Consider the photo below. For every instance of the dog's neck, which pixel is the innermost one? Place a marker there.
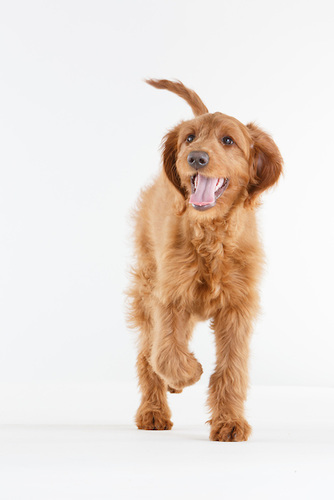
(211, 236)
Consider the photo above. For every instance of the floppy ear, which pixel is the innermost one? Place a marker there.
(169, 156)
(267, 163)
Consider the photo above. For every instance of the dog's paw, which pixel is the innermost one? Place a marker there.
(178, 368)
(153, 420)
(190, 373)
(232, 430)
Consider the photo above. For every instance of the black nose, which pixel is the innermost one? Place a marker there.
(198, 159)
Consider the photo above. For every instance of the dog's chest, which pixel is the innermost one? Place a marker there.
(202, 270)
(204, 282)
(218, 282)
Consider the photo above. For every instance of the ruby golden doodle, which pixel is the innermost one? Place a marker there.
(199, 258)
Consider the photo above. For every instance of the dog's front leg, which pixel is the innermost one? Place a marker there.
(170, 357)
(228, 384)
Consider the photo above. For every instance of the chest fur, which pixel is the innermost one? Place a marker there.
(202, 275)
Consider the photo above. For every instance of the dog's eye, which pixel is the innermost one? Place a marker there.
(190, 138)
(227, 140)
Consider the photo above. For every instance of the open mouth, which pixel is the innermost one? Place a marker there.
(205, 191)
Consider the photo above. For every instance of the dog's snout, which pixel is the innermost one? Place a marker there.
(198, 159)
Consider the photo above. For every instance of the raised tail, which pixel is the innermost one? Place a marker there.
(188, 95)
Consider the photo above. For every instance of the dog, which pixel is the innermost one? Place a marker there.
(198, 257)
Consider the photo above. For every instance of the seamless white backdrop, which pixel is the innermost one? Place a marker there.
(80, 133)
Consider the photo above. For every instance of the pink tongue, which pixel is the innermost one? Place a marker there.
(205, 192)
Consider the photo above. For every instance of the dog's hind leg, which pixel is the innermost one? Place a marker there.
(153, 412)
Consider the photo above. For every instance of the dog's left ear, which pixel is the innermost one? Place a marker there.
(267, 163)
(169, 156)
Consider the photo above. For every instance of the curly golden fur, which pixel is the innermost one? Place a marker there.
(198, 258)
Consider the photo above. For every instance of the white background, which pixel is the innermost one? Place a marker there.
(80, 134)
(79, 138)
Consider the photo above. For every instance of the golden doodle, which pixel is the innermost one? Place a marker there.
(198, 257)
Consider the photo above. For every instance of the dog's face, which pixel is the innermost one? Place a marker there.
(215, 161)
(213, 154)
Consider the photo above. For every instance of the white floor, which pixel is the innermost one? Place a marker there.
(289, 456)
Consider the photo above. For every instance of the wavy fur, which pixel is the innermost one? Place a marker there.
(193, 266)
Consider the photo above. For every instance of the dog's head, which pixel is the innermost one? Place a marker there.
(214, 161)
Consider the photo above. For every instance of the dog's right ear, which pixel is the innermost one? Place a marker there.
(169, 156)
